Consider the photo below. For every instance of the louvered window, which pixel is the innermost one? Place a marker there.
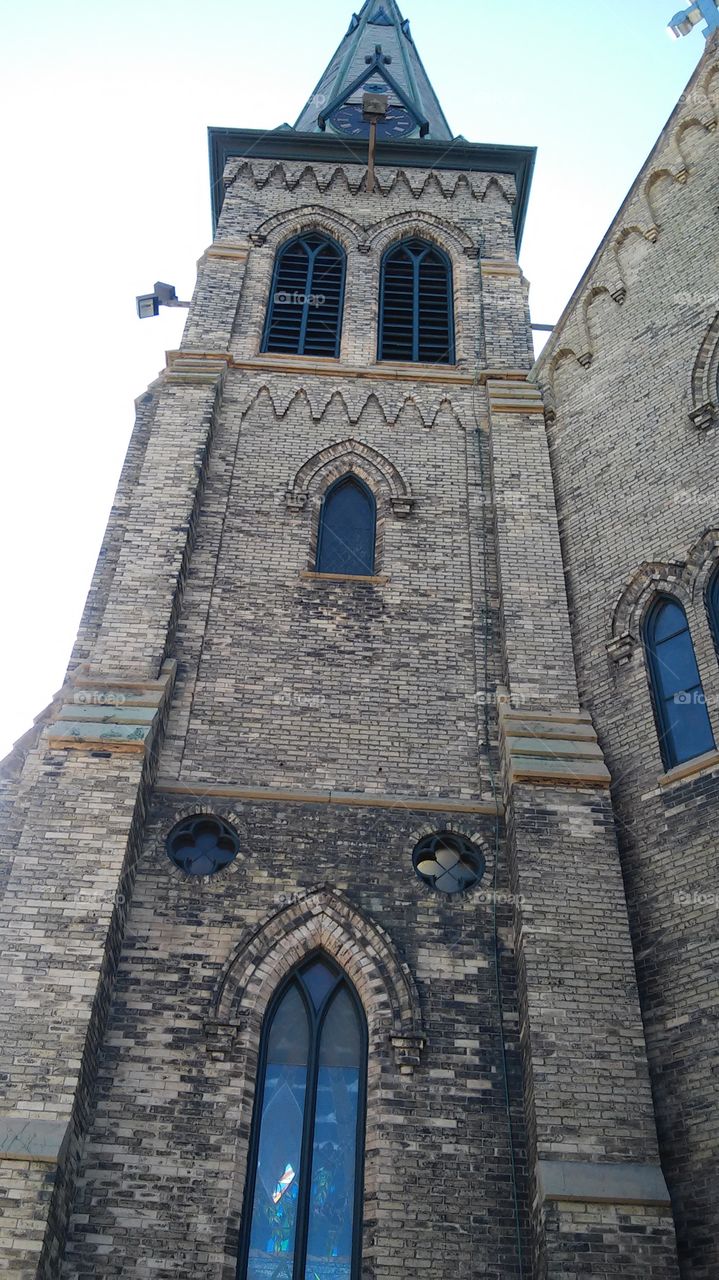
(304, 314)
(416, 304)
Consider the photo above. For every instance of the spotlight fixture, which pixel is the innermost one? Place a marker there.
(683, 23)
(164, 295)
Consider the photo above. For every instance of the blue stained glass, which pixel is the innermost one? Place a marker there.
(670, 619)
(329, 1242)
(679, 705)
(319, 979)
(689, 726)
(311, 1100)
(274, 1213)
(347, 529)
(713, 607)
(677, 663)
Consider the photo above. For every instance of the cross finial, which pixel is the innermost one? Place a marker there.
(379, 56)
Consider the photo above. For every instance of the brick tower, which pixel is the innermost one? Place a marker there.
(317, 961)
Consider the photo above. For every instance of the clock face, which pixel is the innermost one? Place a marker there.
(348, 119)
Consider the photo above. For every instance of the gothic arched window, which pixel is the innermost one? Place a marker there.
(346, 534)
(713, 607)
(415, 311)
(679, 703)
(305, 309)
(302, 1213)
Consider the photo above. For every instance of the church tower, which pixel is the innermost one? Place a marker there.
(316, 955)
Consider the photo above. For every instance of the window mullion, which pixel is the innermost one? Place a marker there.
(415, 308)
(308, 1133)
(311, 254)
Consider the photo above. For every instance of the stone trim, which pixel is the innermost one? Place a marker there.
(36, 1140)
(514, 396)
(110, 715)
(352, 799)
(226, 249)
(683, 579)
(373, 580)
(700, 764)
(599, 1183)
(498, 267)
(196, 368)
(551, 748)
(705, 378)
(329, 366)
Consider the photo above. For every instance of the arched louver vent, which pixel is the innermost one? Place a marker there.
(416, 305)
(303, 317)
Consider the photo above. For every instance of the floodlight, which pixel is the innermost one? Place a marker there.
(165, 295)
(683, 23)
(148, 305)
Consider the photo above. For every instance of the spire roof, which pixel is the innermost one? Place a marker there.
(379, 22)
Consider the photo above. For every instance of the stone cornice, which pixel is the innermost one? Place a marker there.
(351, 799)
(207, 362)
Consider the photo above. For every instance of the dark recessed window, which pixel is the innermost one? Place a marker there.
(678, 697)
(202, 845)
(416, 321)
(303, 1198)
(713, 608)
(305, 307)
(346, 534)
(448, 862)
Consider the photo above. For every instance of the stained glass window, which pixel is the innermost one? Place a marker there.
(202, 845)
(677, 694)
(448, 862)
(346, 535)
(302, 1207)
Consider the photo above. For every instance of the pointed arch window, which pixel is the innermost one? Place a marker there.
(416, 313)
(304, 316)
(302, 1215)
(679, 704)
(346, 534)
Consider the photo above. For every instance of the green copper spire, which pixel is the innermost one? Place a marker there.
(377, 55)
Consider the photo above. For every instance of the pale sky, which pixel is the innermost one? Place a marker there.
(104, 111)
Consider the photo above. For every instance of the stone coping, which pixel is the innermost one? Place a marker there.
(602, 1183)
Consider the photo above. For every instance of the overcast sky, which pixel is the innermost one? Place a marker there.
(104, 155)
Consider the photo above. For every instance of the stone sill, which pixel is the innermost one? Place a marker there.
(706, 762)
(375, 580)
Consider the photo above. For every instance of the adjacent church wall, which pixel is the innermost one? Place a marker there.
(630, 387)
